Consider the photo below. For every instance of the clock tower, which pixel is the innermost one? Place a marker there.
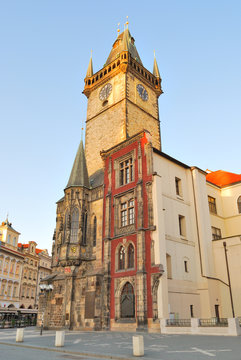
(122, 100)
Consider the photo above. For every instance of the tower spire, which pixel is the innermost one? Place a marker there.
(90, 67)
(156, 72)
(79, 174)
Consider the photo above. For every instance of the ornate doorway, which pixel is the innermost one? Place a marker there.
(127, 301)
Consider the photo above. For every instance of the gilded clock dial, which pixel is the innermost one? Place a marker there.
(105, 91)
(142, 92)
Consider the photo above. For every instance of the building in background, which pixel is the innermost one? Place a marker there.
(22, 266)
(44, 268)
(37, 264)
(11, 266)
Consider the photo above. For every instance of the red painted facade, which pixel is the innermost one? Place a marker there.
(112, 189)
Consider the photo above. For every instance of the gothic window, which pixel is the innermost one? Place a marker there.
(130, 255)
(66, 224)
(74, 226)
(84, 228)
(127, 213)
(127, 301)
(121, 258)
(126, 171)
(239, 204)
(94, 231)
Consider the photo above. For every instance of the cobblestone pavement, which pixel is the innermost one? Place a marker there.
(107, 345)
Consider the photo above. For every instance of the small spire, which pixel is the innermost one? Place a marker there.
(79, 174)
(90, 67)
(156, 72)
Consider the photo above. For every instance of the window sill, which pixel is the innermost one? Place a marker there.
(124, 270)
(179, 197)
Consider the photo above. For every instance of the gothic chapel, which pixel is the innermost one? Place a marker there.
(118, 221)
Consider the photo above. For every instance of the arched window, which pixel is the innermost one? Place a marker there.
(84, 228)
(74, 226)
(130, 254)
(239, 204)
(66, 224)
(127, 301)
(94, 231)
(121, 258)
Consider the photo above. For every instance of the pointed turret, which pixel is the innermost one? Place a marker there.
(155, 72)
(79, 174)
(90, 67)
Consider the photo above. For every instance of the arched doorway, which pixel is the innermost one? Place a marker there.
(127, 301)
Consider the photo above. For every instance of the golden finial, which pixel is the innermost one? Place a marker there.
(82, 129)
(118, 29)
(127, 22)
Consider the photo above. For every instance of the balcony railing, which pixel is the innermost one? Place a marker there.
(179, 322)
(214, 322)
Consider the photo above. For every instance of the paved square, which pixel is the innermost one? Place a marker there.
(106, 345)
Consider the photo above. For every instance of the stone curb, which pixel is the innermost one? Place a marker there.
(94, 355)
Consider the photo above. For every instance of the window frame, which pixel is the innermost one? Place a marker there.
(74, 228)
(129, 213)
(178, 187)
(239, 204)
(216, 233)
(117, 167)
(182, 225)
(212, 204)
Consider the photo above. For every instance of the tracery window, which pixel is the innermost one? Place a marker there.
(121, 258)
(74, 226)
(66, 224)
(130, 254)
(127, 301)
(94, 231)
(84, 228)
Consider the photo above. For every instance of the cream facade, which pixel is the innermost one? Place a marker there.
(225, 219)
(44, 268)
(11, 265)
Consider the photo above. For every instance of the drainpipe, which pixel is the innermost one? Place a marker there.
(229, 282)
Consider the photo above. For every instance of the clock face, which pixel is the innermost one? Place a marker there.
(142, 92)
(105, 91)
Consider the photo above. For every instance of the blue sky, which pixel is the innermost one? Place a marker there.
(45, 49)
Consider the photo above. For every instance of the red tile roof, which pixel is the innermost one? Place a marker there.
(222, 178)
(25, 246)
